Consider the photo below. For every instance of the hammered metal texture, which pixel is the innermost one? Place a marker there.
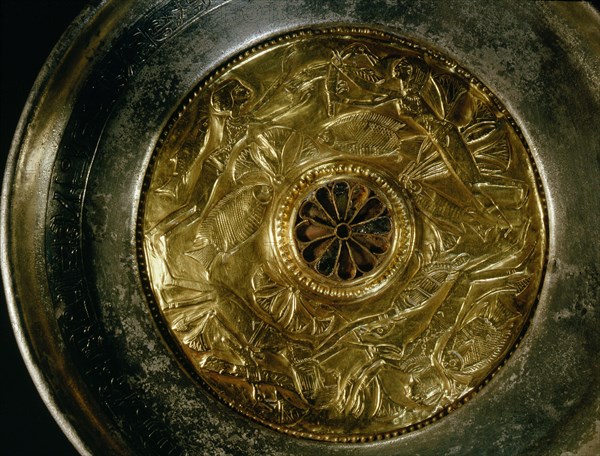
(118, 377)
(344, 234)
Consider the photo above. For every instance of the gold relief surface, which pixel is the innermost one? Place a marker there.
(343, 234)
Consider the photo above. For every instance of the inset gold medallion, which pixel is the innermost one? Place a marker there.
(343, 231)
(343, 234)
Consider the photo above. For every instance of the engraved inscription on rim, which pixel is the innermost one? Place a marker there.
(344, 234)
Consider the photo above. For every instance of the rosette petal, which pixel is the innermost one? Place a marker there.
(380, 225)
(376, 244)
(308, 230)
(328, 260)
(341, 197)
(358, 197)
(325, 199)
(365, 260)
(372, 208)
(346, 269)
(315, 250)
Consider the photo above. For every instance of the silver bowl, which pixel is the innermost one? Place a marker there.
(73, 183)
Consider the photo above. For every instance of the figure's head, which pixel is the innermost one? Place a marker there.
(411, 71)
(230, 96)
(357, 54)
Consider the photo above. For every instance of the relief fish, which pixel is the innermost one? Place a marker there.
(476, 347)
(364, 133)
(234, 219)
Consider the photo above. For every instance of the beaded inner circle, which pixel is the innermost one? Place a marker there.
(344, 231)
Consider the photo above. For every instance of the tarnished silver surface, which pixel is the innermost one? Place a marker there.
(72, 189)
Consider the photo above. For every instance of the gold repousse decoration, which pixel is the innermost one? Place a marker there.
(343, 234)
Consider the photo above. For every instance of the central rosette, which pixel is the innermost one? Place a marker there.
(343, 230)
